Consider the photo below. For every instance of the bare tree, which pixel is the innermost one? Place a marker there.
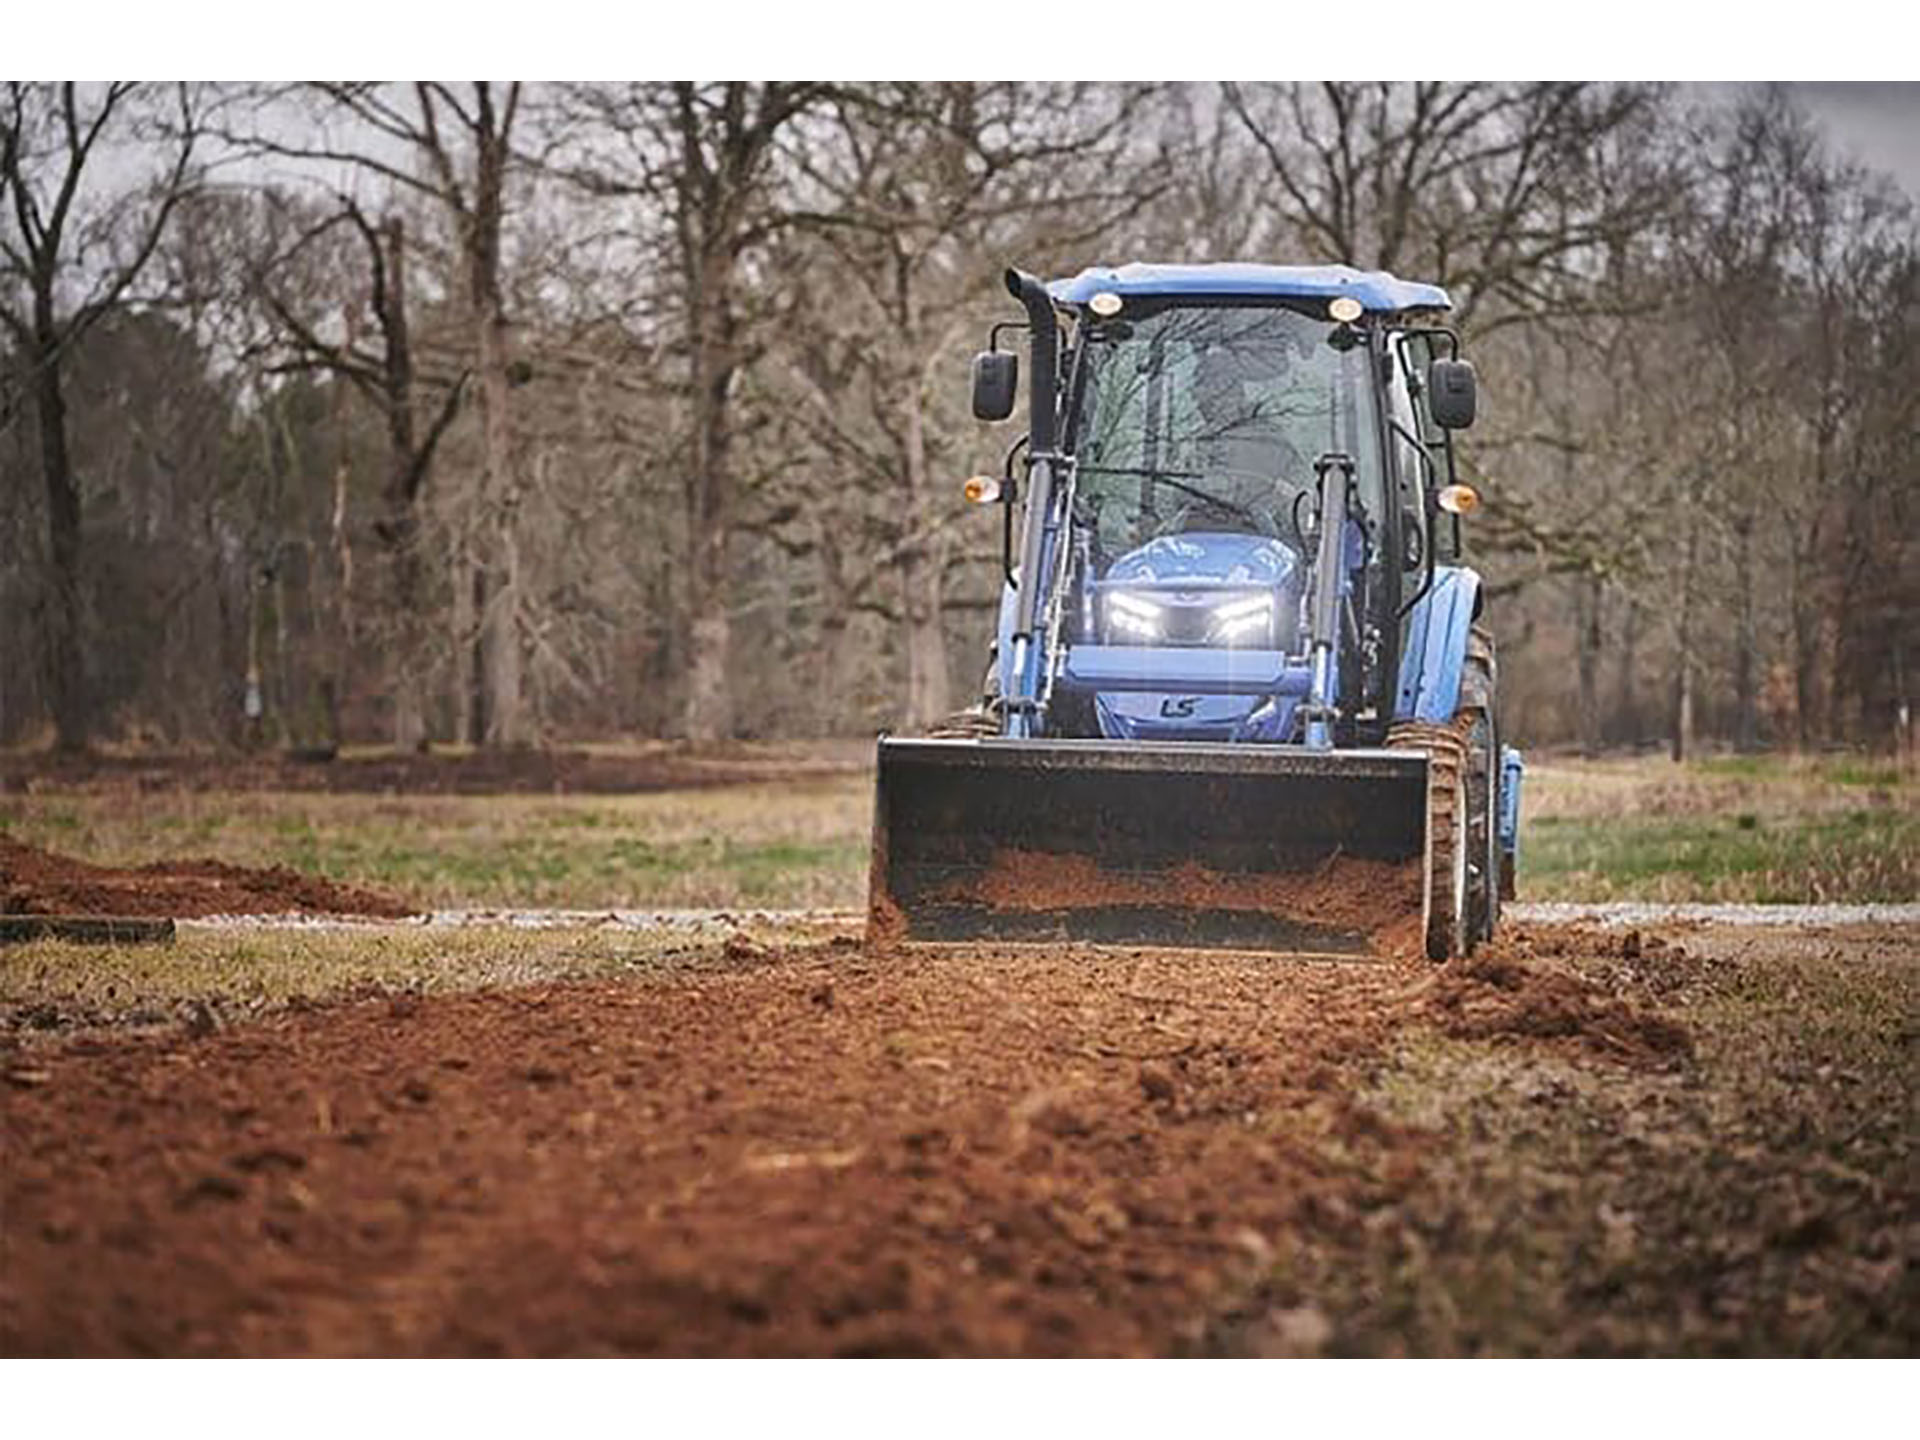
(386, 374)
(73, 248)
(914, 188)
(453, 148)
(700, 156)
(1506, 193)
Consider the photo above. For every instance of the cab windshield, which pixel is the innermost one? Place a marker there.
(1210, 418)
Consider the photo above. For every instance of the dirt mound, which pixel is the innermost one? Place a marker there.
(1513, 988)
(38, 882)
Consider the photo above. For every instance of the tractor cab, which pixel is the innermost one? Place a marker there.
(1207, 421)
(1194, 432)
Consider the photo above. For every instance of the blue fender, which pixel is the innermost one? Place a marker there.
(1436, 647)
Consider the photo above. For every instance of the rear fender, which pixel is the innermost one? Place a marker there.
(1436, 647)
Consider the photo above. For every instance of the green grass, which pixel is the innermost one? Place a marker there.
(1752, 828)
(1830, 769)
(1856, 855)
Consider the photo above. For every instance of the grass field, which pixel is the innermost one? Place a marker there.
(1765, 829)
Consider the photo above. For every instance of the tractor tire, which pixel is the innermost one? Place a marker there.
(980, 720)
(973, 723)
(1480, 725)
(1449, 934)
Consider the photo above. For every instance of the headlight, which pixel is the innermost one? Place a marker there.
(1135, 614)
(1239, 619)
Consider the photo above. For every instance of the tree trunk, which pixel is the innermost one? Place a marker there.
(1682, 746)
(474, 691)
(498, 618)
(922, 576)
(840, 686)
(1589, 592)
(408, 659)
(1746, 659)
(1807, 709)
(709, 714)
(64, 656)
(401, 530)
(1626, 702)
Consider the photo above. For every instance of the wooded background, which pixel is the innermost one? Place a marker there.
(417, 414)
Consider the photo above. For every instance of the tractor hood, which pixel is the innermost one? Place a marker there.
(1208, 560)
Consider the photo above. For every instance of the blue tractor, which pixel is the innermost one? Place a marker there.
(1240, 695)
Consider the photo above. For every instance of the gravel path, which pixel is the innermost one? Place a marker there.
(1616, 913)
(1641, 913)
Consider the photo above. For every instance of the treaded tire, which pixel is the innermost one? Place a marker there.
(1448, 824)
(980, 720)
(1481, 725)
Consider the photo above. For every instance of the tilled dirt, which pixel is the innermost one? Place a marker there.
(824, 1150)
(1367, 897)
(39, 882)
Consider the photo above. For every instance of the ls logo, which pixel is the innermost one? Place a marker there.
(1179, 707)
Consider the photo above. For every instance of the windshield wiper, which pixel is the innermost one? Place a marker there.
(1139, 470)
(1172, 478)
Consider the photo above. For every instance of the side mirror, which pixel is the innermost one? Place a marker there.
(996, 376)
(1450, 394)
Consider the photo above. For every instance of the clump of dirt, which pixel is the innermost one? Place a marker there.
(1510, 988)
(39, 882)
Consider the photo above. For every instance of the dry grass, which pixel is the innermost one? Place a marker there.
(793, 844)
(227, 974)
(1758, 1201)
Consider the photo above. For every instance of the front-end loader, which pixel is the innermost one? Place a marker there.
(1240, 694)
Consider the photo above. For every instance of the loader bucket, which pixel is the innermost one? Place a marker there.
(1211, 846)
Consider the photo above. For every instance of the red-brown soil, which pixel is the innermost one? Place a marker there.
(836, 1150)
(1504, 991)
(487, 772)
(1369, 897)
(38, 882)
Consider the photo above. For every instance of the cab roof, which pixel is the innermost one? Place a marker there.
(1374, 289)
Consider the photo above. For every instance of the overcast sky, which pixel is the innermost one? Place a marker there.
(1878, 121)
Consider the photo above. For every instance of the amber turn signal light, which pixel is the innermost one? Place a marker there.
(981, 490)
(1458, 499)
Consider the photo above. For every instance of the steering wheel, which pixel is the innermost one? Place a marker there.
(1277, 523)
